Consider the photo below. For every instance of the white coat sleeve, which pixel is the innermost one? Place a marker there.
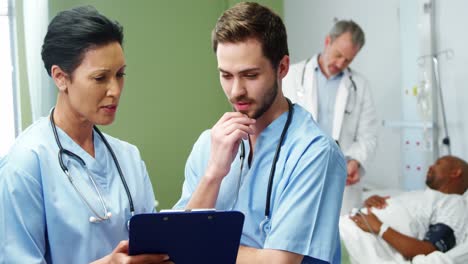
(364, 145)
(292, 82)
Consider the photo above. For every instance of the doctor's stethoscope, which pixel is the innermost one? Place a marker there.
(263, 224)
(107, 214)
(348, 111)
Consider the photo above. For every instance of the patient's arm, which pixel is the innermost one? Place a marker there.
(253, 255)
(408, 247)
(376, 201)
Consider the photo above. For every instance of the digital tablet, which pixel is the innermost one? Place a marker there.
(188, 237)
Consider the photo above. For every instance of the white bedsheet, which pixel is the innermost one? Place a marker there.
(435, 257)
(366, 248)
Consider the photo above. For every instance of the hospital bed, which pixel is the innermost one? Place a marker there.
(368, 242)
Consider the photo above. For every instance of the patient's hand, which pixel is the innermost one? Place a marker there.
(367, 222)
(376, 201)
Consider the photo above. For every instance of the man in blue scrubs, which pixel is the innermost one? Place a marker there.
(300, 222)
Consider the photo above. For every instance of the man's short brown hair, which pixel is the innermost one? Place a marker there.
(251, 20)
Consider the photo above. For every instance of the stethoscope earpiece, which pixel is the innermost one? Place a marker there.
(93, 219)
(265, 225)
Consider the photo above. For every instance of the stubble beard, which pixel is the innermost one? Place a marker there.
(267, 102)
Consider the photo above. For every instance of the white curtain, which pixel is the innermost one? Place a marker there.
(41, 89)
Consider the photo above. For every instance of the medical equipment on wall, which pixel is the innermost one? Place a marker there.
(423, 94)
(273, 166)
(62, 151)
(425, 89)
(351, 99)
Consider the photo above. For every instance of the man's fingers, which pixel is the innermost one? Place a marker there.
(150, 258)
(234, 117)
(122, 247)
(233, 140)
(382, 201)
(230, 128)
(230, 123)
(227, 116)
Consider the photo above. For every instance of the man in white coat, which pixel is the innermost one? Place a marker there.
(340, 101)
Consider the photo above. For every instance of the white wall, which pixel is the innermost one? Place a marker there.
(451, 29)
(307, 24)
(417, 134)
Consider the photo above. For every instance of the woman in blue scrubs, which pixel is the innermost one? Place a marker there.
(67, 191)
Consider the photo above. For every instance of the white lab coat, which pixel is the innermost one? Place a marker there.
(354, 122)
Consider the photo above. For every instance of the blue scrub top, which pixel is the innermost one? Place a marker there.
(306, 195)
(44, 218)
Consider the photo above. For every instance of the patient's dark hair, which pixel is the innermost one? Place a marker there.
(73, 32)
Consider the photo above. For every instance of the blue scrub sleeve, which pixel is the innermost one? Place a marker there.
(189, 185)
(22, 230)
(150, 206)
(306, 218)
(194, 165)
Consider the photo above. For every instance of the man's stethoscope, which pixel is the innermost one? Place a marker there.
(352, 98)
(273, 165)
(107, 214)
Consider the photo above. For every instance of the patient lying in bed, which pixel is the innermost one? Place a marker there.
(419, 222)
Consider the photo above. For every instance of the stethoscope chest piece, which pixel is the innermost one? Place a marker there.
(265, 225)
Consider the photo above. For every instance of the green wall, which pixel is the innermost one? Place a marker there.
(25, 103)
(172, 91)
(275, 5)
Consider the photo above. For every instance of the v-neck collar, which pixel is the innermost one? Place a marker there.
(270, 135)
(96, 164)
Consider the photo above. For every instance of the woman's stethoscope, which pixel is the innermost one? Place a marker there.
(348, 111)
(107, 214)
(273, 165)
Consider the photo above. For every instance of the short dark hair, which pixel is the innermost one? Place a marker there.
(252, 20)
(73, 32)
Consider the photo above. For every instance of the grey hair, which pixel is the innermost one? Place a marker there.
(343, 26)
